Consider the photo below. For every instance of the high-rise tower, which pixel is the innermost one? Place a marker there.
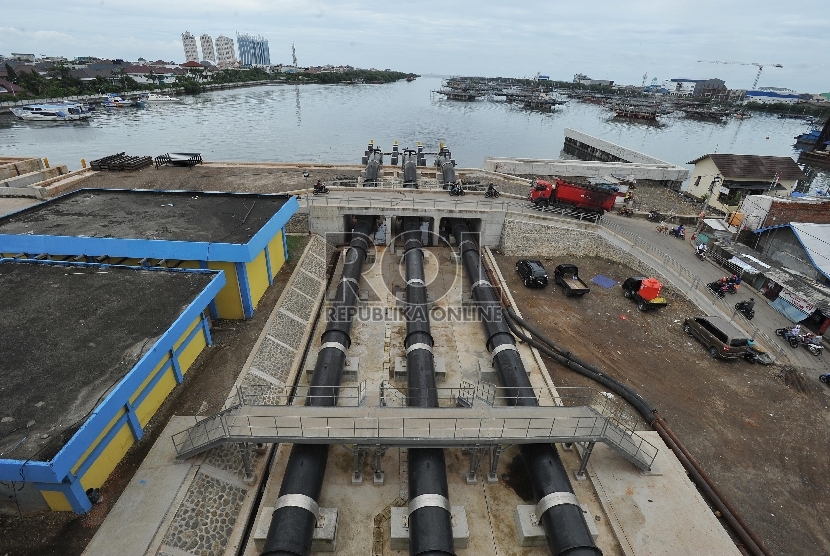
(207, 48)
(225, 54)
(191, 51)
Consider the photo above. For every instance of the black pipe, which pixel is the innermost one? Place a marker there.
(741, 528)
(446, 164)
(565, 527)
(373, 164)
(292, 526)
(409, 163)
(430, 527)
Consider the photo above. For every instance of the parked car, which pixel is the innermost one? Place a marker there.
(533, 273)
(718, 335)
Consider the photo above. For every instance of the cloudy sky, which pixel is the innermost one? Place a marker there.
(606, 39)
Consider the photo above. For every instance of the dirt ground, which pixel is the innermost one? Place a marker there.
(203, 392)
(760, 432)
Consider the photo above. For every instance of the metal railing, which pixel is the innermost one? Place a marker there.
(693, 282)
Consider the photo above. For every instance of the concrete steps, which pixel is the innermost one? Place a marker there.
(31, 178)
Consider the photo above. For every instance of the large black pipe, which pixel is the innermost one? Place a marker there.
(373, 164)
(293, 521)
(430, 526)
(409, 163)
(446, 164)
(565, 528)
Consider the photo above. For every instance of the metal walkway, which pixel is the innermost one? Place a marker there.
(380, 425)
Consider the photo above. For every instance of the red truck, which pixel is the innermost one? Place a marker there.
(595, 198)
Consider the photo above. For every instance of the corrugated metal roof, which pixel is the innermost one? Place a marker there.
(815, 238)
(809, 290)
(750, 166)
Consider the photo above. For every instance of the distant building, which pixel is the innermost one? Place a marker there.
(742, 175)
(703, 88)
(583, 79)
(768, 97)
(207, 48)
(225, 54)
(23, 57)
(253, 51)
(191, 51)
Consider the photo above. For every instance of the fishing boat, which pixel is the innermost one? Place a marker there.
(808, 138)
(63, 112)
(153, 97)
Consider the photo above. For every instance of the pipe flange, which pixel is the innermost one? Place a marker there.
(497, 350)
(429, 500)
(415, 281)
(555, 499)
(419, 345)
(298, 501)
(336, 345)
(481, 283)
(461, 245)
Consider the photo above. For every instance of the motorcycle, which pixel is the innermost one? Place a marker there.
(825, 378)
(809, 341)
(746, 308)
(456, 190)
(718, 288)
(625, 211)
(492, 192)
(700, 254)
(663, 228)
(322, 190)
(679, 233)
(654, 216)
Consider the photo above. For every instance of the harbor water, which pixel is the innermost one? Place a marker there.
(333, 124)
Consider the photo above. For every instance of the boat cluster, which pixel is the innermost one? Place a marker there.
(73, 111)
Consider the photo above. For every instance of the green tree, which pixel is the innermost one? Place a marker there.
(12, 76)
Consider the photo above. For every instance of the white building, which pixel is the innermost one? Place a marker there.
(225, 54)
(191, 51)
(680, 87)
(768, 97)
(207, 48)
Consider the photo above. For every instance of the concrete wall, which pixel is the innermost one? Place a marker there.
(15, 169)
(615, 150)
(783, 211)
(662, 172)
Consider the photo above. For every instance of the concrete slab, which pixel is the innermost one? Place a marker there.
(9, 205)
(139, 513)
(656, 514)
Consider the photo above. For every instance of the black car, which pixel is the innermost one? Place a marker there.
(533, 273)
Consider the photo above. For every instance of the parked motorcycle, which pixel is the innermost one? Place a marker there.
(491, 192)
(654, 216)
(320, 189)
(825, 378)
(746, 308)
(810, 341)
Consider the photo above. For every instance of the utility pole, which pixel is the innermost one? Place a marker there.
(716, 179)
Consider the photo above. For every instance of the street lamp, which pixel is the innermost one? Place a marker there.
(716, 179)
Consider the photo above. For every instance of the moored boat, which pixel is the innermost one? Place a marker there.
(52, 112)
(153, 97)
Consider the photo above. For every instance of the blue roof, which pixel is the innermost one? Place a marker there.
(772, 94)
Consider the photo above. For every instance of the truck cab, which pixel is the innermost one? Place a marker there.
(540, 192)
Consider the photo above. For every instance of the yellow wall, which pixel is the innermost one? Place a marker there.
(276, 253)
(108, 458)
(157, 395)
(257, 277)
(189, 354)
(228, 300)
(56, 500)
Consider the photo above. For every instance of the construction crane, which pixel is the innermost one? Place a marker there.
(757, 75)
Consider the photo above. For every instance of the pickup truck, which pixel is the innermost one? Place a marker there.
(567, 277)
(645, 291)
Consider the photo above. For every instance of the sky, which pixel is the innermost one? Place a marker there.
(606, 39)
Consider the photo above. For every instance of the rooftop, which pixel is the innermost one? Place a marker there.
(71, 333)
(747, 166)
(151, 215)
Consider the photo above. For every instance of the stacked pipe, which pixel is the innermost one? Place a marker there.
(751, 541)
(557, 507)
(296, 509)
(446, 164)
(409, 162)
(430, 527)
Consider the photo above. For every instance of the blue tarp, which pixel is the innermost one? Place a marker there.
(603, 281)
(795, 315)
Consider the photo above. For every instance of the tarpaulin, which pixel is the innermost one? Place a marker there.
(793, 314)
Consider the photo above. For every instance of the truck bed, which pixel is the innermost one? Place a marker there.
(573, 286)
